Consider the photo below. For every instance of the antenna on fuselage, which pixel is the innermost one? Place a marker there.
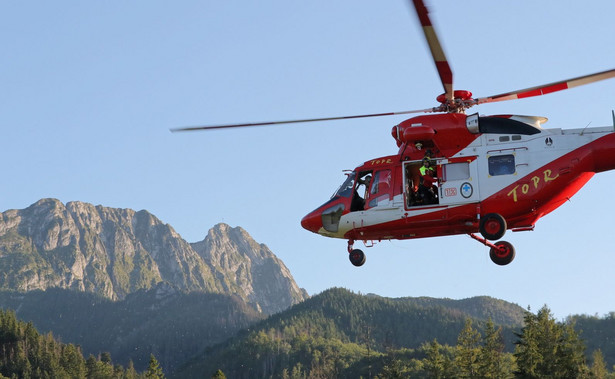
(583, 131)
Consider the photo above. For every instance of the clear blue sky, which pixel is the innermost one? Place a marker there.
(89, 90)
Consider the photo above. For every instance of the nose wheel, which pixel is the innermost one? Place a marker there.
(501, 252)
(356, 256)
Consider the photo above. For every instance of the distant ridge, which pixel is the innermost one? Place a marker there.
(478, 307)
(115, 252)
(342, 324)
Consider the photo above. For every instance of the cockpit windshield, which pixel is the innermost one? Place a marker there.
(345, 189)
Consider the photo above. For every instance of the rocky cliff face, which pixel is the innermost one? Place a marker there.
(115, 252)
(249, 269)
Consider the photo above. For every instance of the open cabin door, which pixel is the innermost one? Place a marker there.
(458, 182)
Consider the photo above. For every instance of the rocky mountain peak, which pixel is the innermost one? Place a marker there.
(249, 269)
(114, 252)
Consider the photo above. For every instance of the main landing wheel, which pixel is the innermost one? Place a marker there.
(502, 254)
(357, 257)
(492, 226)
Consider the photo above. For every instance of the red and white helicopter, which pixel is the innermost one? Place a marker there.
(461, 174)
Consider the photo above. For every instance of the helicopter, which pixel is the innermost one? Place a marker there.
(457, 173)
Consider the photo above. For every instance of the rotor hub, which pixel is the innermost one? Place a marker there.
(457, 95)
(461, 100)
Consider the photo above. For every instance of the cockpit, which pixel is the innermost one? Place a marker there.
(357, 192)
(363, 189)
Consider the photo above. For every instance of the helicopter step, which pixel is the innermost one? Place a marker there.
(501, 252)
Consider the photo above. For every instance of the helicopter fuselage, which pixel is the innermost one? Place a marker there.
(504, 165)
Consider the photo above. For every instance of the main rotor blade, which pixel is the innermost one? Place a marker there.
(548, 88)
(210, 127)
(439, 58)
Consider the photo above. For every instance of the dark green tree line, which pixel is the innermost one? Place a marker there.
(25, 353)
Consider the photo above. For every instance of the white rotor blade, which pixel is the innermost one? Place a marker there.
(225, 126)
(548, 88)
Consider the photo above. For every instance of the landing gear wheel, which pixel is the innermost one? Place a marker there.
(502, 254)
(492, 226)
(357, 257)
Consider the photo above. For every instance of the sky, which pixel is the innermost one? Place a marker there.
(89, 91)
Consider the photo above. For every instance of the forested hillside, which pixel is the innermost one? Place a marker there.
(479, 307)
(25, 353)
(345, 327)
(598, 333)
(342, 334)
(334, 334)
(165, 322)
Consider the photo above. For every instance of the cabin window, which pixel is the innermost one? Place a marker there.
(501, 165)
(380, 187)
(516, 138)
(381, 182)
(504, 138)
(456, 171)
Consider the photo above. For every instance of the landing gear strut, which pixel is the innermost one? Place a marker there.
(357, 257)
(501, 252)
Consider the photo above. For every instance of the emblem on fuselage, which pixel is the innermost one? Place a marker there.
(466, 190)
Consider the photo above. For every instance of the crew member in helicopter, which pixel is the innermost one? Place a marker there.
(426, 186)
(358, 202)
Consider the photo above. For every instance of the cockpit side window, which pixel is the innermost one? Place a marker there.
(361, 191)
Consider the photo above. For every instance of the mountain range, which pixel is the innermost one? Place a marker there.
(115, 252)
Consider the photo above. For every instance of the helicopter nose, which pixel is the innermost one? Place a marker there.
(312, 222)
